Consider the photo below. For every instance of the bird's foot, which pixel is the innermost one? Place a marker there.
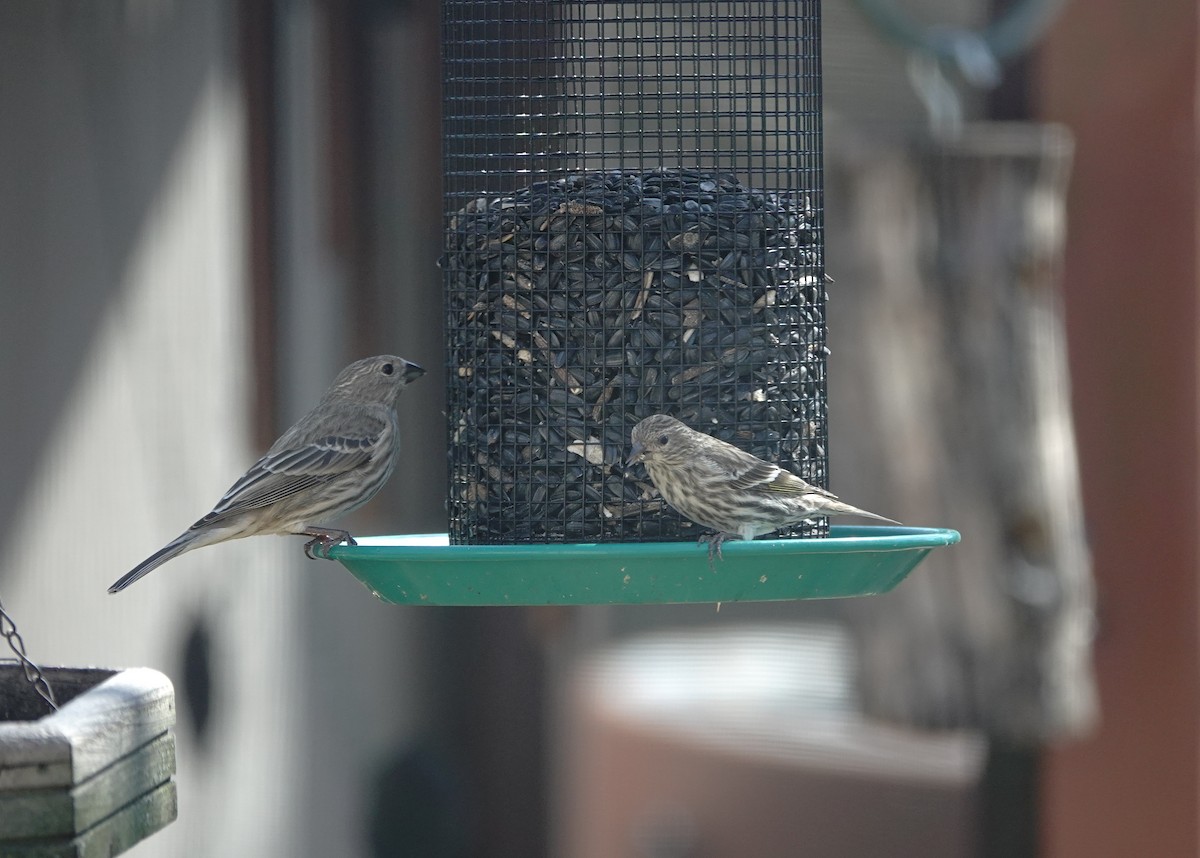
(323, 540)
(714, 540)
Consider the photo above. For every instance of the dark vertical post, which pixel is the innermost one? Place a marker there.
(1123, 76)
(256, 43)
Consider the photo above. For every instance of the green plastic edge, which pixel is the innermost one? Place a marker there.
(852, 561)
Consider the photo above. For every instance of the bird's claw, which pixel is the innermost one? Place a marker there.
(318, 547)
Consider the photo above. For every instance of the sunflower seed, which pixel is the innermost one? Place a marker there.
(578, 306)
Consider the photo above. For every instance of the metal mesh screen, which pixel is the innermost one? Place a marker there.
(633, 225)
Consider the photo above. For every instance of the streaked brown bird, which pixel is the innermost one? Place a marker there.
(717, 485)
(332, 461)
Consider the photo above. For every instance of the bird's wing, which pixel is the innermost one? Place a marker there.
(743, 470)
(750, 473)
(284, 472)
(788, 483)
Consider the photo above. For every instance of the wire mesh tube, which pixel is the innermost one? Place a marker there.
(633, 225)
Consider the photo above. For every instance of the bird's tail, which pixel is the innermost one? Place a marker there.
(837, 507)
(184, 542)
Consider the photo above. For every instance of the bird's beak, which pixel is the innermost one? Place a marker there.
(637, 453)
(412, 371)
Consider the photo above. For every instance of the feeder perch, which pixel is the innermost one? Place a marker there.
(427, 570)
(93, 778)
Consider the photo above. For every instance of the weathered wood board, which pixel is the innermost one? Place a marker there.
(96, 776)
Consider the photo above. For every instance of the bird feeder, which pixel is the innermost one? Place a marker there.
(94, 777)
(633, 224)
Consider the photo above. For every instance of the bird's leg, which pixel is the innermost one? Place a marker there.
(324, 538)
(714, 541)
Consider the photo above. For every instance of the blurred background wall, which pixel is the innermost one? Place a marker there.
(207, 209)
(179, 264)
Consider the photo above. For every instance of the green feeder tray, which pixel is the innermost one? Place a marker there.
(424, 569)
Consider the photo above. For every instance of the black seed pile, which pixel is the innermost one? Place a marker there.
(577, 307)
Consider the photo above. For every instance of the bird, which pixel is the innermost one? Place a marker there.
(722, 487)
(332, 461)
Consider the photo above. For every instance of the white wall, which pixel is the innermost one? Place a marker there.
(126, 388)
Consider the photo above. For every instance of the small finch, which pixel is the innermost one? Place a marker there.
(719, 486)
(332, 461)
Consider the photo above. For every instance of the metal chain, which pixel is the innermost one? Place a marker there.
(33, 673)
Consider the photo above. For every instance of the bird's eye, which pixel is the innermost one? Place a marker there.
(388, 369)
(662, 440)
